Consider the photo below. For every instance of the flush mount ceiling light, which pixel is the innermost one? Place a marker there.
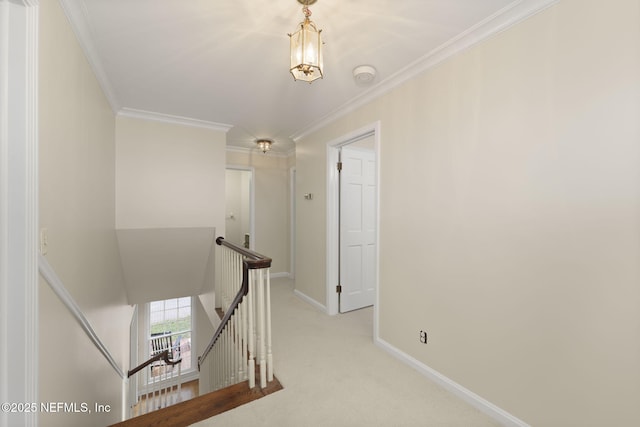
(264, 144)
(306, 48)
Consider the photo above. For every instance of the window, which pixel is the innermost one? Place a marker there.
(170, 328)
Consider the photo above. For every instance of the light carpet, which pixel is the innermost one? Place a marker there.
(334, 375)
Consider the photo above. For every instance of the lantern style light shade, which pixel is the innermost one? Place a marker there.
(306, 49)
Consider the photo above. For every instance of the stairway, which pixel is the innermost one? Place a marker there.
(202, 407)
(240, 349)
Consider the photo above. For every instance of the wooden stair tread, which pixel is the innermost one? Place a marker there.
(202, 407)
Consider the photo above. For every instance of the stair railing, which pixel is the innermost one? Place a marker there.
(242, 341)
(160, 384)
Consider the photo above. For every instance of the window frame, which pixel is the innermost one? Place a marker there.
(192, 331)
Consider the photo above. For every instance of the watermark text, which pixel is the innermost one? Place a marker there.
(55, 407)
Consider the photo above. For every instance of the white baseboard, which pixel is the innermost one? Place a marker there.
(468, 396)
(310, 300)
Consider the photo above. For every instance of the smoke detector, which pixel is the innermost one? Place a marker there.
(364, 74)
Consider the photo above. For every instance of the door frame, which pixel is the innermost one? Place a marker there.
(19, 207)
(333, 222)
(252, 201)
(292, 222)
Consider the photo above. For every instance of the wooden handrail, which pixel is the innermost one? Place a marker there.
(252, 261)
(163, 355)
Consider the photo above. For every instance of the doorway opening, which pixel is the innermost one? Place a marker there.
(239, 199)
(292, 222)
(361, 259)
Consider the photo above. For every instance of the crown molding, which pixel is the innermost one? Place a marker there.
(500, 21)
(177, 120)
(77, 16)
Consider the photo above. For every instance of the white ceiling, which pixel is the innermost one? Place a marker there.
(226, 61)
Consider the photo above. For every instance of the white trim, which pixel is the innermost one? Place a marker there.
(332, 230)
(58, 288)
(146, 312)
(332, 212)
(194, 341)
(5, 339)
(502, 20)
(124, 404)
(280, 275)
(176, 120)
(19, 206)
(252, 202)
(465, 394)
(292, 222)
(310, 300)
(76, 14)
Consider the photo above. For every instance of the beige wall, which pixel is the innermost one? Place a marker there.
(169, 175)
(510, 213)
(77, 206)
(271, 204)
(311, 215)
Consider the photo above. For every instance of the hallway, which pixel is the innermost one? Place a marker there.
(334, 375)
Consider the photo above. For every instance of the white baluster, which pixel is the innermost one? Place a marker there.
(268, 332)
(220, 274)
(225, 273)
(251, 367)
(156, 393)
(215, 365)
(223, 365)
(149, 405)
(172, 384)
(261, 329)
(227, 355)
(146, 390)
(232, 345)
(225, 278)
(179, 399)
(239, 343)
(243, 338)
(161, 384)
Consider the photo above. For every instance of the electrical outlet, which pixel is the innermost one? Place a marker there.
(423, 337)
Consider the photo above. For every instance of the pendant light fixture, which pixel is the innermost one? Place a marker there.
(306, 48)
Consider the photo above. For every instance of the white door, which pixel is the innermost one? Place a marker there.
(357, 228)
